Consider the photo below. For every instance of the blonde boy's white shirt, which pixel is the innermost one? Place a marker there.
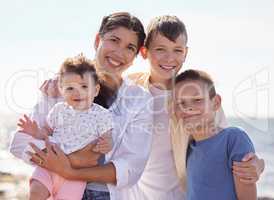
(159, 180)
(132, 135)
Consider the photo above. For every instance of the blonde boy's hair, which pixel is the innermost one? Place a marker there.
(169, 26)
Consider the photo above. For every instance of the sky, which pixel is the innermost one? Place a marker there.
(231, 40)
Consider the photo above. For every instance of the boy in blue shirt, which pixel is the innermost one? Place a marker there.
(211, 149)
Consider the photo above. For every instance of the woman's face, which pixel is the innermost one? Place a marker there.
(116, 50)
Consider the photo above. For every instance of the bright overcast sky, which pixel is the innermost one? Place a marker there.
(232, 40)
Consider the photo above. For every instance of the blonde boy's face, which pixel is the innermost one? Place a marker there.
(193, 106)
(78, 92)
(165, 56)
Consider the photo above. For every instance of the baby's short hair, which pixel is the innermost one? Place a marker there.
(79, 65)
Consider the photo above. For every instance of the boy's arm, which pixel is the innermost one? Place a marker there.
(249, 169)
(245, 191)
(239, 145)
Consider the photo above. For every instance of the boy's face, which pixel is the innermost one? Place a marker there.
(193, 106)
(165, 56)
(79, 92)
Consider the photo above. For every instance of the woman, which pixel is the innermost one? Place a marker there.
(118, 42)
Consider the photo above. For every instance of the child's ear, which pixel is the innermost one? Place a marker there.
(217, 102)
(97, 41)
(97, 89)
(143, 51)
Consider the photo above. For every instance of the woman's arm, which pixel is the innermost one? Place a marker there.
(126, 165)
(98, 174)
(55, 160)
(39, 113)
(85, 157)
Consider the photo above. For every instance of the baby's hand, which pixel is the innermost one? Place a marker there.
(104, 143)
(28, 126)
(31, 128)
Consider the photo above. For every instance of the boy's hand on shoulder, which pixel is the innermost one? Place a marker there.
(250, 169)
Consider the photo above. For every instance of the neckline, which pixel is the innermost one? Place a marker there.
(208, 140)
(91, 108)
(157, 91)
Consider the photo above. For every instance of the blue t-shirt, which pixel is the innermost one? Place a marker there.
(209, 164)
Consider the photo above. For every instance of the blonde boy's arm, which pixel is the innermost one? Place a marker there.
(245, 191)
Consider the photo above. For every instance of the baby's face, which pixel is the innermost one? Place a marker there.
(79, 92)
(193, 106)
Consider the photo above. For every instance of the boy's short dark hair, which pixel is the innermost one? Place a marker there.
(169, 26)
(126, 20)
(197, 75)
(79, 65)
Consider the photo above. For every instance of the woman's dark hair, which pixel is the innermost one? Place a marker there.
(126, 20)
(106, 96)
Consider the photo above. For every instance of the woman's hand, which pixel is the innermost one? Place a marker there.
(50, 88)
(53, 159)
(250, 169)
(85, 157)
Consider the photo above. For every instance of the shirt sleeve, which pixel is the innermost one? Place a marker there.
(39, 113)
(239, 145)
(133, 152)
